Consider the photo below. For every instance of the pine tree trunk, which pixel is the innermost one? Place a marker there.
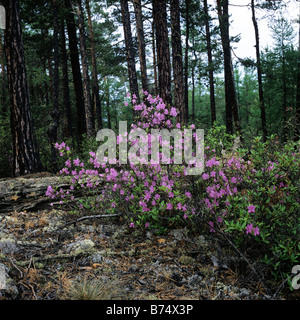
(53, 129)
(210, 66)
(89, 119)
(3, 78)
(284, 100)
(297, 116)
(65, 82)
(106, 82)
(44, 34)
(76, 73)
(193, 94)
(230, 93)
(259, 74)
(154, 60)
(95, 87)
(163, 51)
(141, 41)
(130, 50)
(186, 61)
(26, 157)
(177, 62)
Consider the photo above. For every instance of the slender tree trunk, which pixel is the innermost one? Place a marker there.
(193, 93)
(106, 82)
(230, 93)
(76, 73)
(177, 62)
(44, 34)
(284, 101)
(259, 74)
(95, 91)
(65, 81)
(210, 66)
(130, 50)
(186, 61)
(53, 129)
(154, 60)
(89, 119)
(26, 157)
(141, 41)
(3, 81)
(163, 51)
(297, 126)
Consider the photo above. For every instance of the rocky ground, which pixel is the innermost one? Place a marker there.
(44, 256)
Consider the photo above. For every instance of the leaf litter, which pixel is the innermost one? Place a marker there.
(50, 258)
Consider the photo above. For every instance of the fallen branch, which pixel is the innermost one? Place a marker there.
(48, 257)
(95, 216)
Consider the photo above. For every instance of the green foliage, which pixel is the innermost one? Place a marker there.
(217, 139)
(272, 184)
(253, 195)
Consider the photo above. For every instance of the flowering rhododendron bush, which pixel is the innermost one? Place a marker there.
(251, 196)
(149, 195)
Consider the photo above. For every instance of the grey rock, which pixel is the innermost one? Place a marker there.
(82, 246)
(179, 234)
(194, 280)
(8, 244)
(8, 289)
(97, 258)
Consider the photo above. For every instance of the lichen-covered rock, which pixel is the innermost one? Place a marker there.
(8, 244)
(8, 289)
(81, 246)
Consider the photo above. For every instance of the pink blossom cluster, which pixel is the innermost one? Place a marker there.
(141, 189)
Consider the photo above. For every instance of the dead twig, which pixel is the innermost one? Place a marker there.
(21, 273)
(91, 217)
(259, 276)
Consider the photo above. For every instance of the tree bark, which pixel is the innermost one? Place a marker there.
(259, 74)
(26, 157)
(186, 61)
(210, 66)
(177, 62)
(230, 93)
(129, 50)
(65, 82)
(284, 102)
(193, 93)
(163, 51)
(95, 87)
(44, 34)
(89, 119)
(53, 129)
(141, 41)
(154, 60)
(76, 73)
(106, 82)
(3, 81)
(297, 125)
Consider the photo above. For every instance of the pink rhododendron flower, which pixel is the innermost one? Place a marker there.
(256, 231)
(249, 228)
(251, 208)
(169, 206)
(188, 194)
(173, 112)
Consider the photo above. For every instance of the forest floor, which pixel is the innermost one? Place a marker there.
(46, 257)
